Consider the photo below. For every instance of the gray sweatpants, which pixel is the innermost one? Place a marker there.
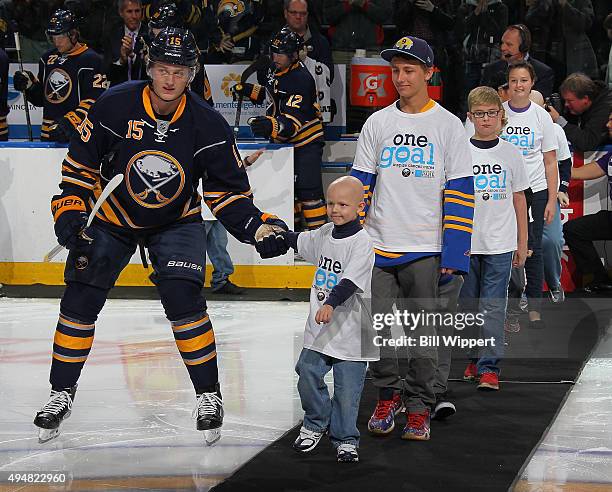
(412, 287)
(449, 295)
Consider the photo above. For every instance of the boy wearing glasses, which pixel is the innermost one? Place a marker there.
(499, 239)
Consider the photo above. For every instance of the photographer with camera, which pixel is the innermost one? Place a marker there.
(585, 112)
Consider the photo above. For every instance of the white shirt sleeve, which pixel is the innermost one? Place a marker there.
(469, 128)
(549, 140)
(520, 179)
(366, 158)
(563, 152)
(457, 155)
(361, 262)
(309, 245)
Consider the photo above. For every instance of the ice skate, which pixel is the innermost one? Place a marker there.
(53, 413)
(209, 415)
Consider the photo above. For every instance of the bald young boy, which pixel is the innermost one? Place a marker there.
(339, 334)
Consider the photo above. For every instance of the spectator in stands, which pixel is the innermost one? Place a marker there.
(318, 56)
(356, 24)
(238, 40)
(433, 21)
(608, 27)
(30, 18)
(587, 106)
(515, 46)
(124, 46)
(582, 231)
(538, 20)
(95, 18)
(485, 21)
(571, 45)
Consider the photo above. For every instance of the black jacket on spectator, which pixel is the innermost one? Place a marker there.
(479, 29)
(116, 73)
(319, 50)
(588, 130)
(545, 77)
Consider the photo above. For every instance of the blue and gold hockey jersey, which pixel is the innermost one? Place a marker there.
(162, 162)
(68, 84)
(293, 102)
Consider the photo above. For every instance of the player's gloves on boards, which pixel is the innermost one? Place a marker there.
(265, 126)
(252, 91)
(70, 220)
(23, 80)
(269, 241)
(61, 131)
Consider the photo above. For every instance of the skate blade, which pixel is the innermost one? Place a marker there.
(46, 435)
(212, 436)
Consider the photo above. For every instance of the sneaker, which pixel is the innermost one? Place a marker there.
(53, 413)
(347, 453)
(443, 407)
(382, 420)
(307, 440)
(230, 289)
(470, 373)
(557, 295)
(489, 381)
(417, 428)
(208, 414)
(512, 324)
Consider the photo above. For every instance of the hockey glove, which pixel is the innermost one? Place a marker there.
(22, 81)
(264, 126)
(61, 131)
(70, 220)
(269, 242)
(252, 91)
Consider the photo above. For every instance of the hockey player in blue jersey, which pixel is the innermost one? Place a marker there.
(70, 78)
(293, 116)
(164, 140)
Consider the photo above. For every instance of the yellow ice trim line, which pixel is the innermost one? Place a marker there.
(134, 275)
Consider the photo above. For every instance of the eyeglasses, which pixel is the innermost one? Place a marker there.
(297, 13)
(481, 114)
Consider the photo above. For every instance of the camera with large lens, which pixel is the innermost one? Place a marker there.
(554, 101)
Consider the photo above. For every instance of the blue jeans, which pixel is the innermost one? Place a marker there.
(552, 248)
(216, 249)
(338, 414)
(485, 290)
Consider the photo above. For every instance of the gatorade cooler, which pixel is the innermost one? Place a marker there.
(371, 83)
(435, 88)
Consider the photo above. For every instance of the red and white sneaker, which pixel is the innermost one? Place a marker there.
(489, 381)
(471, 372)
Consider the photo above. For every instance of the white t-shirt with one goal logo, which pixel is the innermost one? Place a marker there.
(533, 133)
(498, 173)
(350, 333)
(413, 156)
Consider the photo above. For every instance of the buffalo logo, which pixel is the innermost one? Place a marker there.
(154, 178)
(81, 263)
(320, 296)
(230, 8)
(228, 81)
(406, 172)
(404, 43)
(485, 196)
(58, 86)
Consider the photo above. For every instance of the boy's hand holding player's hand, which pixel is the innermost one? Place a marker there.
(324, 314)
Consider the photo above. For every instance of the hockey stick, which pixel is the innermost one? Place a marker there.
(261, 62)
(108, 189)
(25, 97)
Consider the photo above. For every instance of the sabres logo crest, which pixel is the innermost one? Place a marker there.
(58, 86)
(154, 179)
(231, 8)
